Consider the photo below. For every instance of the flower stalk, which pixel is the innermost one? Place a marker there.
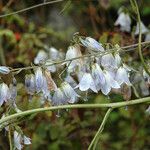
(108, 105)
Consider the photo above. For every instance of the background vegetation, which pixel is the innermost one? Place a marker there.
(23, 35)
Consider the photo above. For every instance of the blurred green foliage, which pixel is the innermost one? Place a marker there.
(23, 35)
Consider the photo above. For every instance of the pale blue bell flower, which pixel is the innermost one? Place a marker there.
(4, 93)
(59, 98)
(87, 83)
(122, 76)
(4, 70)
(92, 44)
(39, 80)
(69, 92)
(98, 76)
(109, 83)
(30, 84)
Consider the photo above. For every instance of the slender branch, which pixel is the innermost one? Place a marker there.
(140, 39)
(9, 137)
(2, 56)
(100, 128)
(109, 105)
(125, 48)
(29, 8)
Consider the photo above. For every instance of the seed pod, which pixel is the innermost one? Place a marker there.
(50, 82)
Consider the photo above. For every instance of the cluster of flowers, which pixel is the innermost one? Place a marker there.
(98, 73)
(101, 71)
(124, 21)
(7, 93)
(95, 73)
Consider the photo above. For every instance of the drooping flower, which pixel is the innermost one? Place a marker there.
(124, 21)
(71, 81)
(4, 93)
(122, 76)
(117, 59)
(108, 62)
(45, 90)
(51, 68)
(92, 44)
(86, 83)
(72, 52)
(147, 37)
(4, 70)
(59, 98)
(98, 76)
(109, 83)
(41, 57)
(19, 140)
(53, 53)
(30, 84)
(143, 28)
(69, 92)
(39, 79)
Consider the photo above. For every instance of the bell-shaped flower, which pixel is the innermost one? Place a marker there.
(13, 92)
(4, 70)
(39, 79)
(109, 83)
(147, 37)
(117, 59)
(148, 110)
(69, 92)
(71, 81)
(54, 54)
(124, 22)
(59, 98)
(41, 57)
(49, 66)
(143, 28)
(19, 140)
(146, 76)
(98, 76)
(4, 93)
(72, 52)
(30, 84)
(45, 90)
(86, 83)
(92, 44)
(108, 62)
(122, 76)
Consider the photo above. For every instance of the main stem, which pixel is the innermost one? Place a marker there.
(100, 129)
(140, 39)
(109, 105)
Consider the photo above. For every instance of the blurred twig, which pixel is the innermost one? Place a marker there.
(29, 8)
(125, 48)
(96, 137)
(136, 8)
(79, 106)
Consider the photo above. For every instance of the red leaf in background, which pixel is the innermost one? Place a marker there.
(17, 36)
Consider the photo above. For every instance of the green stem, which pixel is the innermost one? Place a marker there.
(2, 56)
(125, 48)
(146, 68)
(29, 8)
(9, 137)
(95, 139)
(109, 105)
